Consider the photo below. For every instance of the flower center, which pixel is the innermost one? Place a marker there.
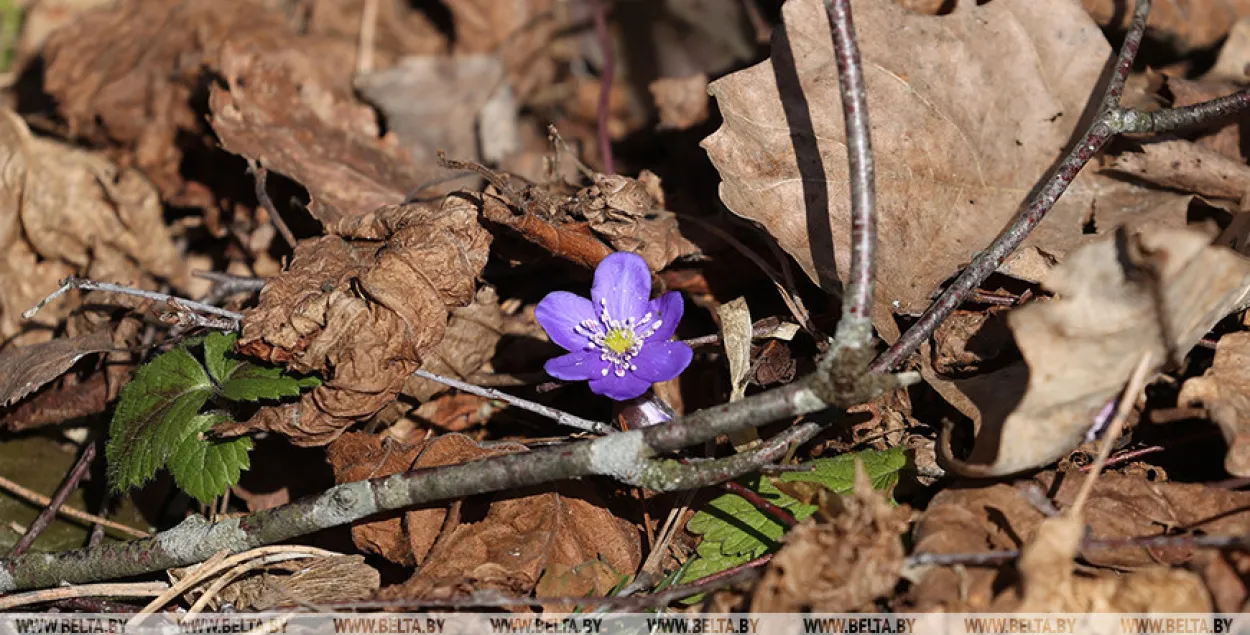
(618, 341)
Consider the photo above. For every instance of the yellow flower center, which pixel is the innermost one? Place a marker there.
(619, 340)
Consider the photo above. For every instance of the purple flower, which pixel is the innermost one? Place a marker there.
(619, 340)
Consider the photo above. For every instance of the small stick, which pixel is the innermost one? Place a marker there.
(45, 517)
(1136, 382)
(368, 31)
(108, 287)
(261, 178)
(768, 507)
(118, 590)
(605, 83)
(559, 416)
(65, 510)
(855, 325)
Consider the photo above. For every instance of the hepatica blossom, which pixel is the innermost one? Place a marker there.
(620, 340)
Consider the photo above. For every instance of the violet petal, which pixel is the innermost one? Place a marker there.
(623, 280)
(662, 361)
(619, 388)
(559, 313)
(576, 366)
(667, 308)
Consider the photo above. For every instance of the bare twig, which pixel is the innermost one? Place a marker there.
(226, 285)
(116, 590)
(261, 177)
(177, 304)
(768, 507)
(45, 517)
(1136, 382)
(368, 31)
(1113, 120)
(855, 325)
(559, 416)
(67, 511)
(605, 83)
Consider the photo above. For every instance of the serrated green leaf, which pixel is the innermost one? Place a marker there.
(206, 468)
(238, 380)
(249, 382)
(152, 414)
(216, 345)
(735, 531)
(838, 473)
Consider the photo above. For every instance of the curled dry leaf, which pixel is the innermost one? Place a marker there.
(840, 563)
(1224, 390)
(967, 111)
(406, 539)
(132, 76)
(23, 369)
(682, 101)
(70, 211)
(629, 214)
(279, 108)
(1159, 290)
(362, 307)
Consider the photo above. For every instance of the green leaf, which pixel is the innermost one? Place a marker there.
(735, 531)
(152, 414)
(244, 381)
(206, 468)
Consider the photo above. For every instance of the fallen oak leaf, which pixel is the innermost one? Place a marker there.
(1159, 290)
(953, 165)
(23, 369)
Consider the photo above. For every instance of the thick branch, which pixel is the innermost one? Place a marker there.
(626, 456)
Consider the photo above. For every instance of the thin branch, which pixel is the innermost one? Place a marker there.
(1136, 382)
(763, 504)
(226, 285)
(116, 590)
(261, 177)
(628, 457)
(68, 487)
(176, 303)
(559, 416)
(855, 325)
(69, 512)
(605, 83)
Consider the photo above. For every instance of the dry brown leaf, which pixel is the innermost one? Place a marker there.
(71, 398)
(1185, 166)
(70, 211)
(1189, 25)
(1224, 390)
(525, 537)
(520, 32)
(400, 29)
(963, 520)
(682, 101)
(468, 345)
(133, 74)
(23, 369)
(42, 17)
(839, 564)
(1159, 290)
(435, 103)
(1232, 63)
(407, 538)
(280, 109)
(968, 339)
(363, 308)
(1049, 583)
(968, 111)
(629, 214)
